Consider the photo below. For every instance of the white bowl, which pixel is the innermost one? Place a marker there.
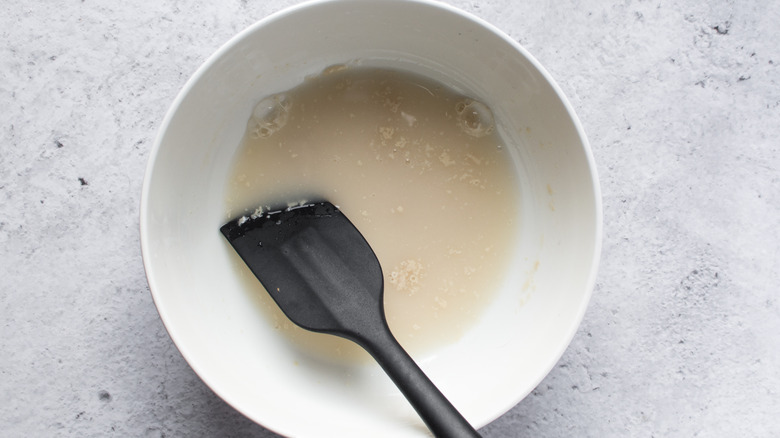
(216, 323)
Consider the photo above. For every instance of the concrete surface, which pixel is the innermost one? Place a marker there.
(681, 102)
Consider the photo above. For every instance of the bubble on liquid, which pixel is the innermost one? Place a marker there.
(474, 118)
(270, 115)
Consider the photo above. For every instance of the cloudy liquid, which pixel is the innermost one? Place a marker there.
(419, 170)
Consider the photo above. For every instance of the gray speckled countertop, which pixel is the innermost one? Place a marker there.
(681, 102)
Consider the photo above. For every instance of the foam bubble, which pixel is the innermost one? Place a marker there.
(269, 116)
(474, 118)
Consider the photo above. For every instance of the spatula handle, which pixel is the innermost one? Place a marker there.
(437, 412)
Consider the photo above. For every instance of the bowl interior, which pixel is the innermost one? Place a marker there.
(219, 327)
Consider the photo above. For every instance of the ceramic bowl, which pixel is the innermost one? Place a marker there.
(216, 323)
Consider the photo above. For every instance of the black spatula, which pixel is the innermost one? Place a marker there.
(326, 278)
